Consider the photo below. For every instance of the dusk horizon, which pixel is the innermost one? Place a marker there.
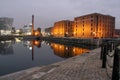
(47, 12)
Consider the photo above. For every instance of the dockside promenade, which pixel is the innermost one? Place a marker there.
(87, 66)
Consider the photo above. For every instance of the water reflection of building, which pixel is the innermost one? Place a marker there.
(67, 51)
(30, 45)
(6, 47)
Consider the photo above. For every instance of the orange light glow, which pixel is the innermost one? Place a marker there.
(37, 33)
(66, 51)
(37, 42)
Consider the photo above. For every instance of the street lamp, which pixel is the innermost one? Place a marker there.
(94, 34)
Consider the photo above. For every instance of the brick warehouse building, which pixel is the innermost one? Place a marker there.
(62, 28)
(94, 25)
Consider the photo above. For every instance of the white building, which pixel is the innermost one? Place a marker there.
(27, 30)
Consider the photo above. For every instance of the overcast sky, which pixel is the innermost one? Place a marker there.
(49, 11)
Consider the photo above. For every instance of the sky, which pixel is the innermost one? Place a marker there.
(47, 12)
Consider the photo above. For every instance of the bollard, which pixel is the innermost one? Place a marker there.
(102, 51)
(104, 56)
(116, 65)
(111, 46)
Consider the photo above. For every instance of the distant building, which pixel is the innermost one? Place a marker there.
(43, 32)
(27, 30)
(87, 26)
(94, 26)
(117, 33)
(48, 31)
(37, 32)
(6, 25)
(62, 28)
(18, 32)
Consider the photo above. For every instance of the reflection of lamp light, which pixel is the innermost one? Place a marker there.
(55, 45)
(48, 44)
(36, 33)
(74, 49)
(36, 42)
(17, 40)
(30, 48)
(60, 46)
(28, 42)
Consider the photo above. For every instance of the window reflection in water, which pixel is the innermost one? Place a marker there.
(67, 51)
(64, 51)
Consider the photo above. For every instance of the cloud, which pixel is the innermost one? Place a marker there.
(49, 11)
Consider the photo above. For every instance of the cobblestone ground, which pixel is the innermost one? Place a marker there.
(82, 67)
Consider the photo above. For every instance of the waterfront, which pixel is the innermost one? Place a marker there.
(16, 55)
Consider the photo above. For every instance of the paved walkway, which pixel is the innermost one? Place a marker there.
(83, 67)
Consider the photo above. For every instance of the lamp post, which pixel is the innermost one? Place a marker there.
(94, 34)
(66, 34)
(0, 32)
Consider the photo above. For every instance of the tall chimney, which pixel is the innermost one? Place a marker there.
(32, 24)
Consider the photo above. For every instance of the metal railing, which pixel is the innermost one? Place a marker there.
(110, 56)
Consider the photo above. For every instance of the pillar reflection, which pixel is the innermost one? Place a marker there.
(31, 45)
(37, 44)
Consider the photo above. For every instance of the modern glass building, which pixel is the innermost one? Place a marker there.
(6, 25)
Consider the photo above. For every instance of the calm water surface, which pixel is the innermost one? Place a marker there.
(16, 55)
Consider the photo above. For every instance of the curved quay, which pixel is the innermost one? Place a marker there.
(82, 67)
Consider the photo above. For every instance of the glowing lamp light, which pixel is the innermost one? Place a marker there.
(55, 45)
(74, 49)
(66, 32)
(60, 46)
(74, 32)
(29, 33)
(37, 33)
